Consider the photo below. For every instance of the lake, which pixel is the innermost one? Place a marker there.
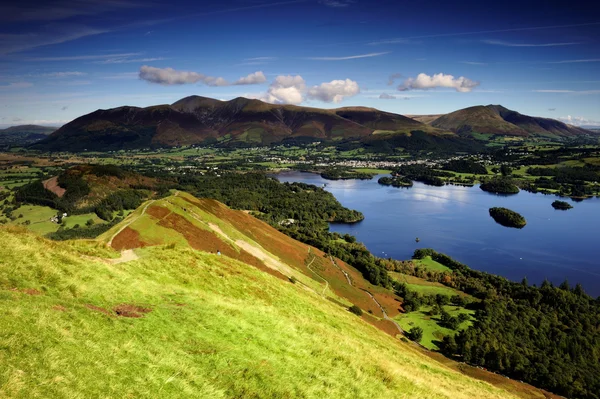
(556, 245)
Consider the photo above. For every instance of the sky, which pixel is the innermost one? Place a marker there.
(63, 59)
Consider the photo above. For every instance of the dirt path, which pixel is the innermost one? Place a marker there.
(385, 315)
(128, 223)
(317, 274)
(52, 185)
(126, 256)
(342, 270)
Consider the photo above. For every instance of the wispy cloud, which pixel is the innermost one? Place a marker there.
(83, 57)
(393, 78)
(16, 85)
(129, 60)
(561, 91)
(336, 3)
(385, 96)
(349, 57)
(123, 75)
(401, 40)
(18, 42)
(513, 44)
(575, 61)
(473, 63)
(66, 74)
(60, 9)
(260, 59)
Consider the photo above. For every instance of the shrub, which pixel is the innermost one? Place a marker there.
(356, 310)
(415, 334)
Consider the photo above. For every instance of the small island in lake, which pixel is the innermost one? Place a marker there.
(344, 174)
(508, 218)
(561, 205)
(395, 181)
(500, 186)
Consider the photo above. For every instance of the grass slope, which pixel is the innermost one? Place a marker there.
(209, 327)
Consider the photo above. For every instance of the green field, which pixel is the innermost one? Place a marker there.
(431, 330)
(423, 286)
(430, 264)
(38, 216)
(186, 324)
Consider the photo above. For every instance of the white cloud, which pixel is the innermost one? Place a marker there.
(511, 44)
(424, 82)
(578, 120)
(285, 90)
(350, 57)
(251, 79)
(385, 96)
(334, 91)
(170, 77)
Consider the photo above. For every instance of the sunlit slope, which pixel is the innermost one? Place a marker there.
(183, 323)
(208, 225)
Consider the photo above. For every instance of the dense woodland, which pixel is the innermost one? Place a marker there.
(507, 217)
(465, 166)
(548, 336)
(422, 173)
(500, 185)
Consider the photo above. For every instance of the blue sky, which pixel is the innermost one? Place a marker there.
(62, 59)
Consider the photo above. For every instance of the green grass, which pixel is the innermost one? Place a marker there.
(373, 170)
(423, 286)
(39, 217)
(431, 330)
(430, 264)
(81, 220)
(217, 329)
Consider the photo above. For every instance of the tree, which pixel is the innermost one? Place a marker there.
(89, 222)
(356, 310)
(415, 334)
(505, 170)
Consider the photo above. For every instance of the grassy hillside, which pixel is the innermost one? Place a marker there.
(183, 323)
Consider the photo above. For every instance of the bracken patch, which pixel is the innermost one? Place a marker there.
(128, 310)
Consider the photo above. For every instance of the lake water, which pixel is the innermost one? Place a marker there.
(556, 245)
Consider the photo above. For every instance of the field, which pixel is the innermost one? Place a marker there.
(432, 332)
(182, 323)
(430, 264)
(423, 286)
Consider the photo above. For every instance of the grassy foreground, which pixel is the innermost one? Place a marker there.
(204, 326)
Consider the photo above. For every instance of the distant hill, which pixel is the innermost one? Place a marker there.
(241, 121)
(496, 119)
(23, 135)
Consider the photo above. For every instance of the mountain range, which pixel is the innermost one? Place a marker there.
(199, 120)
(24, 134)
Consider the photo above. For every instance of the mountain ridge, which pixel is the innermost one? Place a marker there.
(197, 120)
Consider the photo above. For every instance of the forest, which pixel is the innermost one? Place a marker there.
(547, 335)
(500, 185)
(507, 217)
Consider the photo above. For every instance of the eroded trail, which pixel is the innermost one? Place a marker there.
(133, 219)
(385, 315)
(317, 274)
